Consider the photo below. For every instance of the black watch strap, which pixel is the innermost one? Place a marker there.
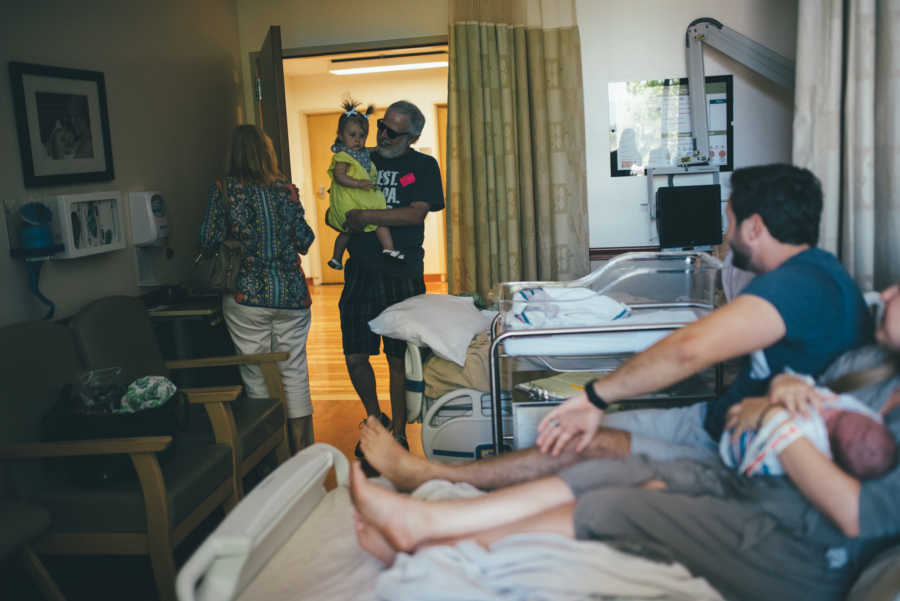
(595, 399)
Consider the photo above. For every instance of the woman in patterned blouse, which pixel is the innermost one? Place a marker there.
(269, 311)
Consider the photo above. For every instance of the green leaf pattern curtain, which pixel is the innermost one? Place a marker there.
(517, 194)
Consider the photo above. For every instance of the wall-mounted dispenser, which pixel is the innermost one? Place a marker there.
(87, 224)
(149, 228)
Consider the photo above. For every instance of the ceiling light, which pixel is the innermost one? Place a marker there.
(383, 68)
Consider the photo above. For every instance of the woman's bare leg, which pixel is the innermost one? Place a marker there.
(407, 523)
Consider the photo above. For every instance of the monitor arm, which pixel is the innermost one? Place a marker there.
(755, 56)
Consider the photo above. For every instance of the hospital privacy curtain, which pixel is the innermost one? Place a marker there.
(517, 194)
(846, 125)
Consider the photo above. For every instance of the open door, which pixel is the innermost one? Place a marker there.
(271, 115)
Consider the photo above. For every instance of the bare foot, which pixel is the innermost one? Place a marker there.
(372, 541)
(405, 470)
(397, 517)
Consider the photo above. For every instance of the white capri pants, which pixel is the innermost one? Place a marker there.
(264, 330)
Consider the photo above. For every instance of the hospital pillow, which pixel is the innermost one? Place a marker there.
(446, 324)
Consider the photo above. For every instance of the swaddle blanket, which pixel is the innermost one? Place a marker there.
(756, 451)
(547, 307)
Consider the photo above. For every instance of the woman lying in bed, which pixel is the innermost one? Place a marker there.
(801, 537)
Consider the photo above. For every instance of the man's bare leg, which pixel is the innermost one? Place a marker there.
(407, 471)
(407, 523)
(397, 372)
(363, 379)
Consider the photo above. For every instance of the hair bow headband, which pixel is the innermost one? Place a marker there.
(354, 112)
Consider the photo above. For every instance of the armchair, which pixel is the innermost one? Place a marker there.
(116, 330)
(144, 516)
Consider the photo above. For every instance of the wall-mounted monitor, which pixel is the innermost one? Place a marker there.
(650, 124)
(689, 216)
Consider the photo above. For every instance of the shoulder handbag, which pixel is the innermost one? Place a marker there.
(218, 273)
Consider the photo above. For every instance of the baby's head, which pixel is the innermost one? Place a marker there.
(353, 125)
(861, 445)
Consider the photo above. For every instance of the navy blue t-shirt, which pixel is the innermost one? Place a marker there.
(824, 315)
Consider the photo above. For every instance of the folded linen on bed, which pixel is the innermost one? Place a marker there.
(536, 567)
(562, 307)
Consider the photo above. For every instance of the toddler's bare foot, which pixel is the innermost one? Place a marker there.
(372, 541)
(399, 518)
(405, 470)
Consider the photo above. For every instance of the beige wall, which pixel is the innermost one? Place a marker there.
(323, 93)
(173, 86)
(312, 23)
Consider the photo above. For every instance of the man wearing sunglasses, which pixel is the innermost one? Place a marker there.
(411, 183)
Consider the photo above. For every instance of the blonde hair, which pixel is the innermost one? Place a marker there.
(252, 157)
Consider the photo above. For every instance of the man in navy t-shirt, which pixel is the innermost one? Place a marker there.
(801, 312)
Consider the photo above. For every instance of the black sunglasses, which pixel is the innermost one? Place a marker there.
(391, 133)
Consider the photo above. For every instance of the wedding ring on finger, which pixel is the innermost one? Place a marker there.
(554, 422)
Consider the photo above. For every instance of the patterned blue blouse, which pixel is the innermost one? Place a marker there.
(268, 221)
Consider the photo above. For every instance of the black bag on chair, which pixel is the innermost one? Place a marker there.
(87, 409)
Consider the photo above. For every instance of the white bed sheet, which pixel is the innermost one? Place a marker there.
(322, 562)
(605, 343)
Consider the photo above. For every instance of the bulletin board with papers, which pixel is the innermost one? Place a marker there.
(650, 124)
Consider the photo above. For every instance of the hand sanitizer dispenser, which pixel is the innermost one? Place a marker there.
(149, 226)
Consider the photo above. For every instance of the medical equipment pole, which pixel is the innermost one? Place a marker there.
(732, 44)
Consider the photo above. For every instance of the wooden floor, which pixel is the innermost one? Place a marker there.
(337, 410)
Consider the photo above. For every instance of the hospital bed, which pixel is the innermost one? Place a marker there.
(587, 326)
(289, 539)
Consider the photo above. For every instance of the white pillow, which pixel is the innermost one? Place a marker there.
(445, 324)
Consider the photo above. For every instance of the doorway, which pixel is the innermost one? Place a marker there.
(313, 95)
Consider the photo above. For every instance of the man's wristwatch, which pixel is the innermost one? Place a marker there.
(595, 399)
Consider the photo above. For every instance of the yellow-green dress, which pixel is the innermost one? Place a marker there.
(343, 198)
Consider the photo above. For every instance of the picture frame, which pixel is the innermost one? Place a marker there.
(62, 124)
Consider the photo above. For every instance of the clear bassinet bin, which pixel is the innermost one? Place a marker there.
(598, 320)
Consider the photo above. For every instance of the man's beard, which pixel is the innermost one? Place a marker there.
(739, 258)
(391, 153)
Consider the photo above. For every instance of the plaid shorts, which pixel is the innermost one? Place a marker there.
(368, 292)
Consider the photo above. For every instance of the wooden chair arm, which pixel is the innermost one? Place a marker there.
(256, 359)
(72, 448)
(212, 394)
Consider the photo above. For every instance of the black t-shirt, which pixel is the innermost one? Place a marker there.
(408, 178)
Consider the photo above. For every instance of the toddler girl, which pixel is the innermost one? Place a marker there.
(353, 183)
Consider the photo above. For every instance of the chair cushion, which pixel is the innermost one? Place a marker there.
(195, 471)
(116, 331)
(30, 386)
(256, 420)
(19, 524)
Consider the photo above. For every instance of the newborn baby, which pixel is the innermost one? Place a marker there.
(844, 429)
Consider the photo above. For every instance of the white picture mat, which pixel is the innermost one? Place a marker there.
(43, 164)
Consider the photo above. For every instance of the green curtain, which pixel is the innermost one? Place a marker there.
(517, 194)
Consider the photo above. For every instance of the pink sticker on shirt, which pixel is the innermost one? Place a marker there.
(407, 179)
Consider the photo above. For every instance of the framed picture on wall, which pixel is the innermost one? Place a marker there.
(62, 124)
